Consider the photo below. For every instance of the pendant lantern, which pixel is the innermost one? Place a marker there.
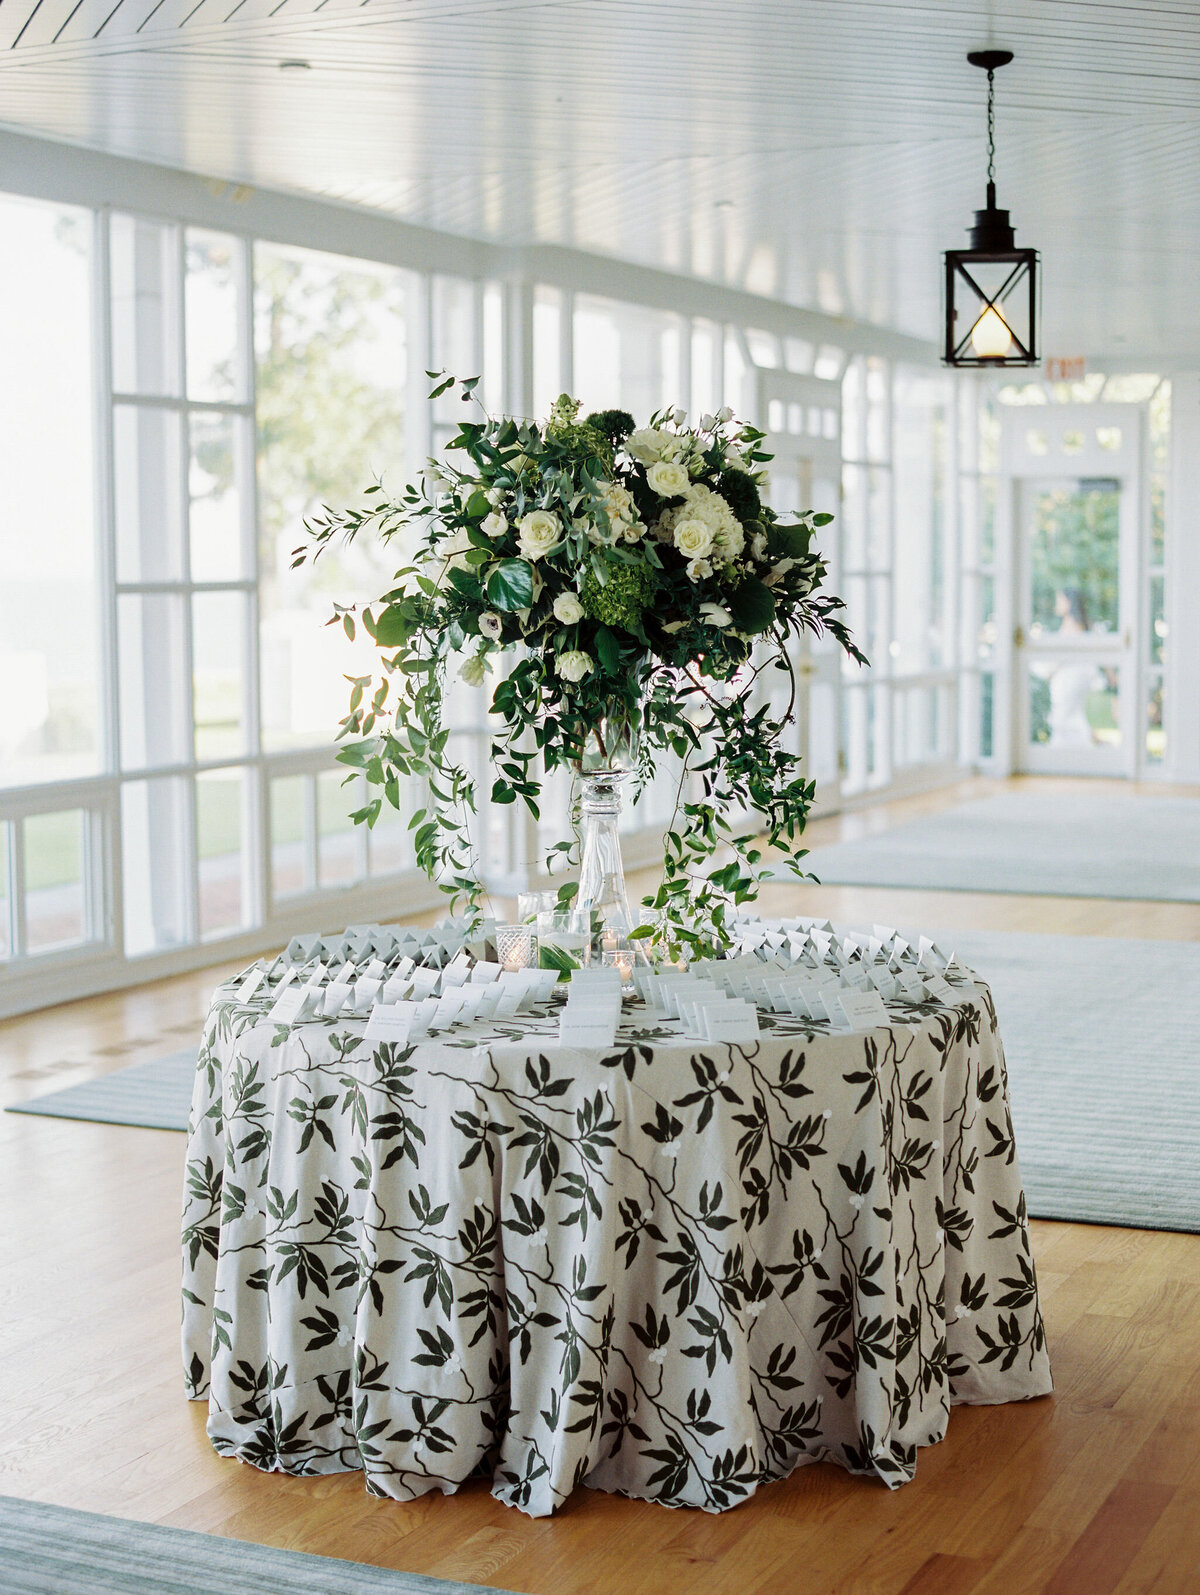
(992, 287)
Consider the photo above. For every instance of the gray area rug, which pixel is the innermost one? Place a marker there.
(1102, 1039)
(1101, 844)
(153, 1096)
(51, 1550)
(1103, 1044)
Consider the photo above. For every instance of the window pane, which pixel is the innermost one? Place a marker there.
(547, 348)
(215, 473)
(146, 469)
(213, 363)
(156, 854)
(153, 677)
(331, 350)
(337, 834)
(1158, 622)
(627, 356)
(389, 844)
(1074, 538)
(289, 848)
(5, 892)
(1073, 704)
(219, 690)
(50, 718)
(55, 901)
(1156, 737)
(145, 348)
(219, 832)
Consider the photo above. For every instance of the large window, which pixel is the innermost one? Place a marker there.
(189, 398)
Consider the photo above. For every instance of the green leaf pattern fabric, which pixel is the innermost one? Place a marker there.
(674, 1270)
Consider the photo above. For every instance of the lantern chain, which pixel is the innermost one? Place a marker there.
(991, 126)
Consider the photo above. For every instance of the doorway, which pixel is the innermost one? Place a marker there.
(1075, 484)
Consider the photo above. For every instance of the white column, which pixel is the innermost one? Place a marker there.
(1181, 682)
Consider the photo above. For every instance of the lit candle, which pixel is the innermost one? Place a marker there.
(514, 947)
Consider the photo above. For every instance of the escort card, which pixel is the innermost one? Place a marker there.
(485, 972)
(250, 985)
(586, 1026)
(376, 969)
(911, 985)
(395, 989)
(286, 1008)
(301, 948)
(390, 1022)
(424, 981)
(542, 983)
(471, 1000)
(509, 999)
(937, 987)
(862, 1009)
(365, 993)
(489, 1000)
(337, 995)
(422, 1013)
(457, 971)
(729, 1021)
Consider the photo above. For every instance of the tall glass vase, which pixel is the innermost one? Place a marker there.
(601, 914)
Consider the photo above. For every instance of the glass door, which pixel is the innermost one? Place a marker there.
(1074, 639)
(1075, 496)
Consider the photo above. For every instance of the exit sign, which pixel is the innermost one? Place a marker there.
(1070, 369)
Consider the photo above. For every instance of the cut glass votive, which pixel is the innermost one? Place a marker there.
(516, 947)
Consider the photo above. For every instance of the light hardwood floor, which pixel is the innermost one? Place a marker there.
(1095, 1491)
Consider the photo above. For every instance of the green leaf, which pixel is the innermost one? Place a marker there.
(392, 627)
(789, 542)
(510, 584)
(751, 605)
(609, 650)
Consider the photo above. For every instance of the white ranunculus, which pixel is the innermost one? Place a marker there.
(716, 615)
(646, 444)
(490, 625)
(538, 531)
(699, 569)
(573, 664)
(494, 525)
(758, 545)
(568, 611)
(668, 478)
(473, 670)
(693, 537)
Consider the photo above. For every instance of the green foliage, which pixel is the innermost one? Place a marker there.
(529, 525)
(616, 425)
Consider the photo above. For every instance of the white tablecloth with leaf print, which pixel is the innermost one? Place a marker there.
(674, 1270)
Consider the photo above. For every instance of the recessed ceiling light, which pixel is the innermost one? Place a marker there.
(723, 204)
(295, 66)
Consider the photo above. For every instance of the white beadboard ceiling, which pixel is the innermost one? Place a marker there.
(818, 151)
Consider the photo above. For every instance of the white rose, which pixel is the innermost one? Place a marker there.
(490, 625)
(496, 496)
(716, 615)
(495, 525)
(645, 445)
(699, 569)
(568, 611)
(573, 664)
(539, 531)
(668, 479)
(724, 413)
(693, 538)
(453, 551)
(473, 671)
(707, 423)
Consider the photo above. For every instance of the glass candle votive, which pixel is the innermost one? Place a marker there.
(516, 947)
(620, 959)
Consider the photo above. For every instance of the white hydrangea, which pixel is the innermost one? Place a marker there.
(702, 504)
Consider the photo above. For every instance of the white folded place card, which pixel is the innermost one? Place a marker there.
(250, 985)
(508, 1000)
(862, 1009)
(337, 996)
(729, 1020)
(589, 1028)
(424, 981)
(390, 1022)
(376, 969)
(911, 985)
(365, 993)
(942, 990)
(286, 1008)
(484, 972)
(395, 989)
(301, 948)
(542, 983)
(471, 999)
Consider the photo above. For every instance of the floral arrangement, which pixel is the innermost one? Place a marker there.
(614, 576)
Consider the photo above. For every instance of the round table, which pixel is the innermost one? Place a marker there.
(672, 1269)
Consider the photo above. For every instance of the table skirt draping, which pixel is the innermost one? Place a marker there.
(675, 1270)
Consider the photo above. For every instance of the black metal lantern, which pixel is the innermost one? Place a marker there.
(992, 287)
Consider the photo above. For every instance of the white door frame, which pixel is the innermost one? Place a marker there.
(1051, 443)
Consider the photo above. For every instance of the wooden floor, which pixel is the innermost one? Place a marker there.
(1095, 1491)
